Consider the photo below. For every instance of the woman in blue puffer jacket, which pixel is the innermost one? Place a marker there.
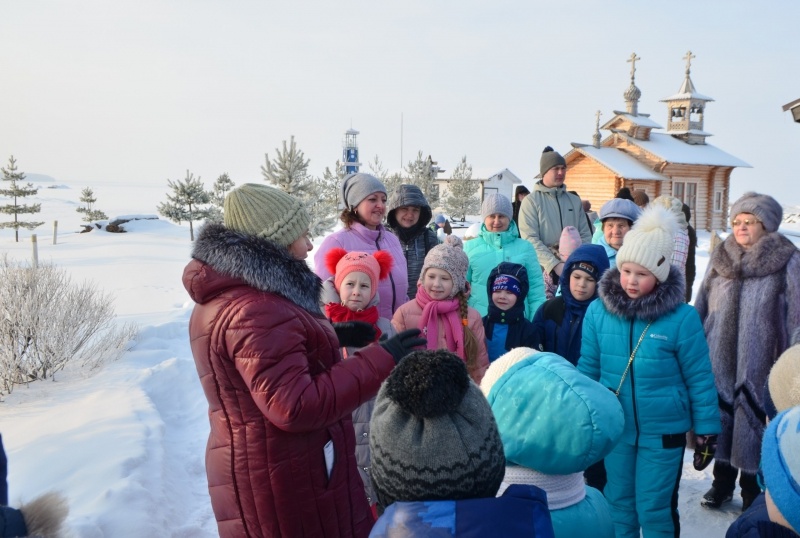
(499, 242)
(646, 345)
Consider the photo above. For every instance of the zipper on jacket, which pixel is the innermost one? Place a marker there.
(633, 386)
(391, 277)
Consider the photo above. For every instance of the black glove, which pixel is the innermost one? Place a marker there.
(354, 333)
(403, 343)
(705, 446)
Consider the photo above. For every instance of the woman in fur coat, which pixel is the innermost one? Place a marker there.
(750, 304)
(280, 457)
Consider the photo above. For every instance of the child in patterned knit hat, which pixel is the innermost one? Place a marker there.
(440, 308)
(350, 298)
(438, 459)
(505, 325)
(641, 341)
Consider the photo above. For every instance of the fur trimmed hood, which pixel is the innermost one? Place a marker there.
(253, 261)
(665, 298)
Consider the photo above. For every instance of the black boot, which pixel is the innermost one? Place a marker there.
(715, 498)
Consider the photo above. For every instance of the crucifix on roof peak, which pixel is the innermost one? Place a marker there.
(633, 59)
(689, 56)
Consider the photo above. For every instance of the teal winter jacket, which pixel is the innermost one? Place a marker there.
(669, 387)
(487, 251)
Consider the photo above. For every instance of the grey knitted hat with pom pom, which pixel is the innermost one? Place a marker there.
(432, 434)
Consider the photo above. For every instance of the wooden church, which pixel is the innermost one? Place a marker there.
(675, 162)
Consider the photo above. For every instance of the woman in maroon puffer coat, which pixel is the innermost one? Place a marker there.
(280, 457)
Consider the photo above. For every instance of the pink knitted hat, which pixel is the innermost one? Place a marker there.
(570, 240)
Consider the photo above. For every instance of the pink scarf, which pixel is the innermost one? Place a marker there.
(447, 309)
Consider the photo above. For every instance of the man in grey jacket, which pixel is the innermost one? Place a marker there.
(548, 209)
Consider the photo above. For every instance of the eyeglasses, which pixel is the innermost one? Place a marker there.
(746, 222)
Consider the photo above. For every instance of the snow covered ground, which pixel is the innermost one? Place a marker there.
(126, 443)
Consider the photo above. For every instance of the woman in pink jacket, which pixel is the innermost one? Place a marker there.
(364, 198)
(440, 308)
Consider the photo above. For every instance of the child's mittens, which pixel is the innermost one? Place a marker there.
(705, 446)
(354, 333)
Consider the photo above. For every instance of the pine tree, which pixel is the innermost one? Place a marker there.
(16, 191)
(186, 203)
(222, 186)
(463, 198)
(420, 173)
(89, 213)
(215, 212)
(288, 171)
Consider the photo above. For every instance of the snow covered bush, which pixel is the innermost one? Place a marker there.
(47, 321)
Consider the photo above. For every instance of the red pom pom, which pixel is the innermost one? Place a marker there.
(332, 258)
(385, 261)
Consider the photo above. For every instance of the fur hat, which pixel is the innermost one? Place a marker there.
(569, 241)
(432, 434)
(763, 206)
(783, 383)
(448, 256)
(675, 206)
(650, 242)
(265, 212)
(549, 159)
(640, 198)
(780, 463)
(376, 266)
(496, 203)
(620, 208)
(356, 187)
(520, 388)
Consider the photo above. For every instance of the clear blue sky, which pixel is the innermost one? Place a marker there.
(142, 91)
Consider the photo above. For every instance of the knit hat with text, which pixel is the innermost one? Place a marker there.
(549, 159)
(432, 434)
(376, 266)
(650, 242)
(763, 206)
(448, 256)
(265, 212)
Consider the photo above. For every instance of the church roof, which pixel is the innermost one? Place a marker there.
(687, 91)
(618, 162)
(642, 120)
(670, 149)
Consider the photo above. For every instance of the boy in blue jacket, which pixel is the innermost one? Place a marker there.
(646, 345)
(558, 322)
(505, 325)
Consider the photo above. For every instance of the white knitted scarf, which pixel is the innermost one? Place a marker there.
(562, 490)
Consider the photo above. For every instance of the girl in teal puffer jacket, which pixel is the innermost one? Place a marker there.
(645, 344)
(499, 242)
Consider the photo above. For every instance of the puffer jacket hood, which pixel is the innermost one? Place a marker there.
(551, 417)
(594, 254)
(408, 195)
